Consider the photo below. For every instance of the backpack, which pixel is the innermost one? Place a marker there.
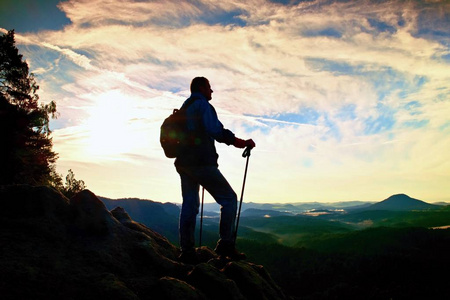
(174, 135)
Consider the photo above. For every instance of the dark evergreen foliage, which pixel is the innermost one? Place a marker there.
(72, 185)
(26, 153)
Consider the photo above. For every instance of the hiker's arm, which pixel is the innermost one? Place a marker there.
(214, 127)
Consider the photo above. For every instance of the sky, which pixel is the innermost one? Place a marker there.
(346, 100)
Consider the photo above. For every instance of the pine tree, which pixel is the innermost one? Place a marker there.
(72, 186)
(26, 153)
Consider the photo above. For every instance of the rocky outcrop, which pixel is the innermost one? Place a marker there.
(56, 248)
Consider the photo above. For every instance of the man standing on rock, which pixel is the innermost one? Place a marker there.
(197, 165)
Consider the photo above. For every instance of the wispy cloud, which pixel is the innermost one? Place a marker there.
(342, 98)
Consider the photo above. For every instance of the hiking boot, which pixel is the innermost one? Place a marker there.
(188, 257)
(230, 251)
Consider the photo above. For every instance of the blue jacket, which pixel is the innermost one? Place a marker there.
(206, 128)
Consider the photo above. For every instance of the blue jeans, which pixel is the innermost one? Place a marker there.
(215, 183)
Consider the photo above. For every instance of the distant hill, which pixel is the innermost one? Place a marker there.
(161, 217)
(401, 202)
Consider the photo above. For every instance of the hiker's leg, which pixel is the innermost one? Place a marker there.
(220, 189)
(216, 184)
(189, 211)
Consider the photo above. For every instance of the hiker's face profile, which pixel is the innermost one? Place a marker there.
(206, 91)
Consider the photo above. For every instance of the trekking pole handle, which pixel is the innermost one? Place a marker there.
(246, 152)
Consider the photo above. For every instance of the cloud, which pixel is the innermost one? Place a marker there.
(336, 94)
(78, 59)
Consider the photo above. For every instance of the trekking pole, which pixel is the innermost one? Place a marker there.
(246, 153)
(201, 217)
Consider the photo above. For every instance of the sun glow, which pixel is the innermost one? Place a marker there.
(111, 127)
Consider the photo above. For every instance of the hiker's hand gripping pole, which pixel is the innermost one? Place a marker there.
(246, 153)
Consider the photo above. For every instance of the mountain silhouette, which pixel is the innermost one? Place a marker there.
(160, 217)
(401, 202)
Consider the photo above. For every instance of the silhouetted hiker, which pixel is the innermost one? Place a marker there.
(197, 165)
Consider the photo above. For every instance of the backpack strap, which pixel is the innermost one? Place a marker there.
(196, 117)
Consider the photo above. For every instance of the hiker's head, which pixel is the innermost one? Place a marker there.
(201, 85)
